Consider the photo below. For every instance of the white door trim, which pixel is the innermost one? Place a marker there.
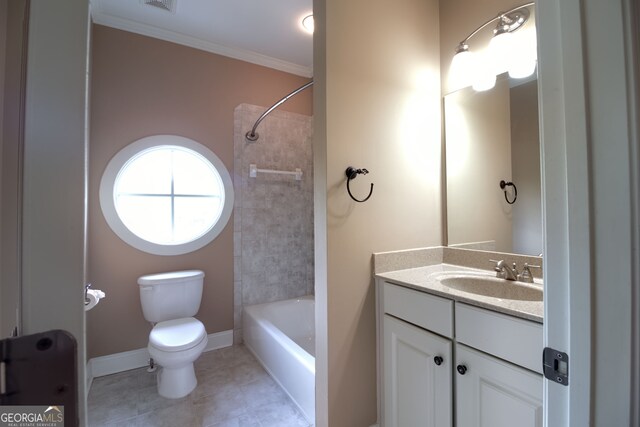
(54, 174)
(632, 13)
(589, 134)
(565, 178)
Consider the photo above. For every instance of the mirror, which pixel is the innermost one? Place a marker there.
(493, 136)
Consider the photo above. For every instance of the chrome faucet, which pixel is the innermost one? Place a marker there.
(503, 271)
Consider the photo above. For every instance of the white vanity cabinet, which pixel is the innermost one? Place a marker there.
(417, 376)
(417, 358)
(492, 380)
(493, 393)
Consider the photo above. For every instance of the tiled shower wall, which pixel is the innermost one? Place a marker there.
(273, 214)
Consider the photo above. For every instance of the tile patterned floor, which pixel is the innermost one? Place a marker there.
(233, 391)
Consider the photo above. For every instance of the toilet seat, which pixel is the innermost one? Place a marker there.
(177, 335)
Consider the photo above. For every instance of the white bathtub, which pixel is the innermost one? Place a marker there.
(281, 335)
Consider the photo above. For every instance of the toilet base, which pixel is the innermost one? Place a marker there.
(174, 383)
(176, 376)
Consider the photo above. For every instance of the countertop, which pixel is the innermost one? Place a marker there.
(421, 280)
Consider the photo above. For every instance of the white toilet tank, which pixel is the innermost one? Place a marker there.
(173, 295)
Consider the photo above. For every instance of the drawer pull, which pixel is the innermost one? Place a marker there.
(438, 360)
(461, 369)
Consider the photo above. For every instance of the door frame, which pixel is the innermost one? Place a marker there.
(588, 71)
(55, 180)
(633, 69)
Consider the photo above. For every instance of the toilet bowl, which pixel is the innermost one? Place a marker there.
(175, 345)
(169, 300)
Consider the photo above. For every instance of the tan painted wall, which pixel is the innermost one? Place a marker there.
(140, 87)
(381, 111)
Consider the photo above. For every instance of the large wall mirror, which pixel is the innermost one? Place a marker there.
(493, 136)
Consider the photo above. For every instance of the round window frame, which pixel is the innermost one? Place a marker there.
(107, 203)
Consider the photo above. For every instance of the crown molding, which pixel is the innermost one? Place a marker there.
(182, 39)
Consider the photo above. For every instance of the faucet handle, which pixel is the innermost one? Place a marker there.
(526, 275)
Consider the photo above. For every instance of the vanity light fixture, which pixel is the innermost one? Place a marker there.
(308, 24)
(504, 52)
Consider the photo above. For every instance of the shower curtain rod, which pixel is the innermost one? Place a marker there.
(252, 135)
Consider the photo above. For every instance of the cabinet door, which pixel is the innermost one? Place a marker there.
(417, 391)
(494, 393)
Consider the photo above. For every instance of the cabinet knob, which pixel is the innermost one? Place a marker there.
(438, 360)
(461, 369)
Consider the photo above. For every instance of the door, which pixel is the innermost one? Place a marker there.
(13, 29)
(494, 393)
(417, 376)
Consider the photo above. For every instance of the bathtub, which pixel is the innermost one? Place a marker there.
(281, 335)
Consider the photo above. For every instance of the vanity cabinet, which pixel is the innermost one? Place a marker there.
(417, 376)
(446, 363)
(493, 393)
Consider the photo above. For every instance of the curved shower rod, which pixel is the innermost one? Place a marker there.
(252, 135)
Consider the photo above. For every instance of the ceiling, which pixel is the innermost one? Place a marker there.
(264, 32)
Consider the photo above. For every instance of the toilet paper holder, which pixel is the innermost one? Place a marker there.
(86, 291)
(91, 297)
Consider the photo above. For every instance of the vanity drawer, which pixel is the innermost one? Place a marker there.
(422, 309)
(516, 340)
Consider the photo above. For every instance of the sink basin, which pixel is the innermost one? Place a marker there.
(491, 287)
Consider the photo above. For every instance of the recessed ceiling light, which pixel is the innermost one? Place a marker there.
(307, 23)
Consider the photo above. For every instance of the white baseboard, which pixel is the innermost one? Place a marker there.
(89, 375)
(219, 340)
(127, 360)
(118, 362)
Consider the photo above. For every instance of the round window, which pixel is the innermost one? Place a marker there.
(166, 195)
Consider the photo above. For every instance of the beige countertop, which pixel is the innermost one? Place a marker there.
(422, 279)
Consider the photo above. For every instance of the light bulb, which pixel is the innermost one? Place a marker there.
(525, 55)
(501, 50)
(308, 24)
(522, 67)
(460, 72)
(484, 81)
(485, 77)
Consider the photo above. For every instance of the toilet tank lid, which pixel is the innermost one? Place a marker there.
(172, 276)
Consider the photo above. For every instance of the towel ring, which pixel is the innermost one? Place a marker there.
(352, 173)
(504, 184)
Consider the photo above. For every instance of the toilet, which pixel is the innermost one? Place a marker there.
(169, 301)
